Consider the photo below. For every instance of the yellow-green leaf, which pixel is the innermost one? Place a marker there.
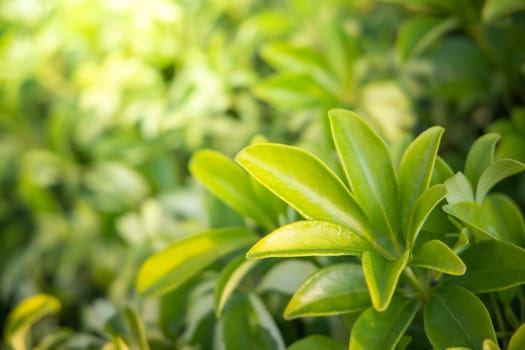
(517, 341)
(436, 255)
(480, 156)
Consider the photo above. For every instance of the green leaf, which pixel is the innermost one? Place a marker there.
(376, 330)
(471, 215)
(459, 189)
(492, 265)
(246, 324)
(494, 173)
(336, 289)
(480, 156)
(422, 209)
(436, 255)
(306, 184)
(317, 341)
(170, 268)
(230, 183)
(381, 276)
(489, 344)
(308, 238)
(24, 315)
(229, 279)
(286, 276)
(441, 172)
(137, 328)
(455, 317)
(498, 8)
(415, 169)
(517, 341)
(418, 33)
(368, 168)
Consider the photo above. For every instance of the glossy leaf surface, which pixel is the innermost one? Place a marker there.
(492, 265)
(422, 209)
(305, 183)
(436, 255)
(381, 276)
(306, 238)
(376, 330)
(368, 168)
(230, 183)
(336, 289)
(494, 173)
(415, 169)
(455, 317)
(24, 315)
(317, 341)
(480, 156)
(182, 260)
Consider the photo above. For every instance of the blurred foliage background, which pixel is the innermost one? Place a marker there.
(102, 104)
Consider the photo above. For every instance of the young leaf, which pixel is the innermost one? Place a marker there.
(489, 344)
(305, 183)
(230, 183)
(494, 173)
(459, 189)
(24, 315)
(436, 255)
(376, 330)
(455, 317)
(381, 276)
(492, 265)
(286, 276)
(497, 8)
(415, 169)
(503, 218)
(419, 33)
(229, 279)
(336, 289)
(307, 238)
(480, 156)
(368, 168)
(517, 341)
(317, 341)
(170, 268)
(422, 209)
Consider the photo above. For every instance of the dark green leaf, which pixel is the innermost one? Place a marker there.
(436, 255)
(368, 168)
(381, 276)
(332, 290)
(455, 317)
(376, 330)
(492, 265)
(308, 238)
(170, 268)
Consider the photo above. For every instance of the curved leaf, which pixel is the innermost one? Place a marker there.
(480, 156)
(308, 238)
(375, 330)
(517, 341)
(492, 265)
(415, 169)
(170, 268)
(368, 168)
(494, 173)
(229, 279)
(455, 317)
(230, 183)
(286, 276)
(317, 341)
(24, 315)
(459, 189)
(332, 290)
(381, 276)
(305, 183)
(497, 8)
(489, 344)
(436, 255)
(422, 209)
(419, 33)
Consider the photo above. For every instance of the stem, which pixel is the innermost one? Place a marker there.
(499, 317)
(416, 283)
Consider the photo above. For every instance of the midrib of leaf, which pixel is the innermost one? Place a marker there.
(393, 319)
(440, 298)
